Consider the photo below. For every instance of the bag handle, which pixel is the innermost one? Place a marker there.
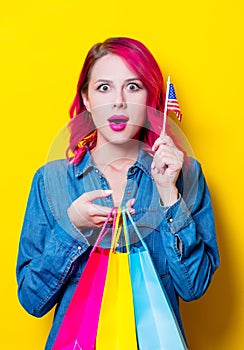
(117, 212)
(118, 229)
(127, 212)
(127, 239)
(104, 231)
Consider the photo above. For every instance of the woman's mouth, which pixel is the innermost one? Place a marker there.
(118, 122)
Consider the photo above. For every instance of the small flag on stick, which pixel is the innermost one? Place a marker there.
(171, 104)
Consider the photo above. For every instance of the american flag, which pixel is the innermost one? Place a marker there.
(173, 104)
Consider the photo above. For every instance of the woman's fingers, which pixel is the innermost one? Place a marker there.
(92, 195)
(163, 140)
(167, 161)
(84, 213)
(167, 157)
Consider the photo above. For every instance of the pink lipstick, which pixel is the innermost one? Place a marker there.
(118, 122)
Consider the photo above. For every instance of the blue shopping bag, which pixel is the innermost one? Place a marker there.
(156, 325)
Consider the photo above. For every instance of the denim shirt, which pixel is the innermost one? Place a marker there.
(53, 252)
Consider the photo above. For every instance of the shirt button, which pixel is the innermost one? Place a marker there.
(129, 192)
(79, 247)
(96, 170)
(171, 220)
(132, 171)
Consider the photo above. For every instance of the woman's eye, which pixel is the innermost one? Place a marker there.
(133, 86)
(103, 87)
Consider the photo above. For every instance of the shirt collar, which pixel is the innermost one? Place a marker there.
(85, 165)
(143, 161)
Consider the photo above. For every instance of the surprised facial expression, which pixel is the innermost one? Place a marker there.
(116, 98)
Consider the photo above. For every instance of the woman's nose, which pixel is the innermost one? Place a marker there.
(120, 101)
(119, 105)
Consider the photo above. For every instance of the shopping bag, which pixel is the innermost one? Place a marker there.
(116, 328)
(156, 325)
(79, 327)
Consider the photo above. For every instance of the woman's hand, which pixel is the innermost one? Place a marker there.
(84, 213)
(165, 169)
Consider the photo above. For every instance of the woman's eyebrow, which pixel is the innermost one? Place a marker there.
(110, 81)
(103, 80)
(131, 79)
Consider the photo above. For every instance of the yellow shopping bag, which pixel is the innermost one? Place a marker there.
(116, 328)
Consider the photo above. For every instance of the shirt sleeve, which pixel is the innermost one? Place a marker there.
(190, 238)
(47, 251)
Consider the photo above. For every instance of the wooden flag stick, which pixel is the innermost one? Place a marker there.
(165, 107)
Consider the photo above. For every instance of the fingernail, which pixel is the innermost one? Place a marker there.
(108, 191)
(132, 211)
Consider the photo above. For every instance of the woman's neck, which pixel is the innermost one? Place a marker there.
(119, 155)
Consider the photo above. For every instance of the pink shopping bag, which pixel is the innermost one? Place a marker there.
(79, 327)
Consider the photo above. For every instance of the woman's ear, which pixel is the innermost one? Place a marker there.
(86, 102)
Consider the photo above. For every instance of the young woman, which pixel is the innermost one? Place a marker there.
(116, 157)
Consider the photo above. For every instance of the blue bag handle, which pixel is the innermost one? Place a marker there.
(125, 211)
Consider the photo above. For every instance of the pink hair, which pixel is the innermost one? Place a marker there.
(141, 61)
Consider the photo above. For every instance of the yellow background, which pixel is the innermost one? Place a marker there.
(200, 44)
